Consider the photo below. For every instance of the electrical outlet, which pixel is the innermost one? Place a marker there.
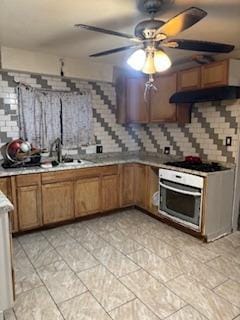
(99, 149)
(166, 150)
(228, 141)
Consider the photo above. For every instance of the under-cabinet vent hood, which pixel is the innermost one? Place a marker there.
(204, 95)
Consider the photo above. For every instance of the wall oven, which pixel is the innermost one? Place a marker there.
(181, 197)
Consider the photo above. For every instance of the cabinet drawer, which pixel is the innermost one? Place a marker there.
(28, 180)
(109, 170)
(50, 177)
(88, 172)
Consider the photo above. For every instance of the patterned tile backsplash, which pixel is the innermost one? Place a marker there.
(211, 122)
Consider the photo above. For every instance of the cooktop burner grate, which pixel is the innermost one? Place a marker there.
(204, 167)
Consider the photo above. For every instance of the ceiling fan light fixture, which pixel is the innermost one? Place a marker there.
(161, 61)
(137, 59)
(149, 65)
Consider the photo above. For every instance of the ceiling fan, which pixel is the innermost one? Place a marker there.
(152, 35)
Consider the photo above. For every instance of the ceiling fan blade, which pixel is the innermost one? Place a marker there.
(104, 53)
(182, 21)
(195, 45)
(106, 31)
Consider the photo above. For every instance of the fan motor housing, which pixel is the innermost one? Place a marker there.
(145, 29)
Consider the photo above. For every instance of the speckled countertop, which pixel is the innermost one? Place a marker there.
(97, 160)
(5, 204)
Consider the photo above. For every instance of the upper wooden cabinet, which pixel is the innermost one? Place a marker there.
(189, 79)
(160, 108)
(157, 109)
(136, 106)
(215, 74)
(219, 73)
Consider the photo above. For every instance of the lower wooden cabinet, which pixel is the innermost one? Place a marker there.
(87, 196)
(7, 186)
(58, 204)
(29, 202)
(140, 187)
(153, 186)
(127, 185)
(110, 192)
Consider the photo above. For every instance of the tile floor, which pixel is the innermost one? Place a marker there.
(126, 266)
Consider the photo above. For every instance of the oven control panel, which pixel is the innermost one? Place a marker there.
(181, 177)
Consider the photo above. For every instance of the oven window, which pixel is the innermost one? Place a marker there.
(180, 203)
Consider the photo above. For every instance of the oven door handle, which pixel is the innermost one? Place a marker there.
(195, 194)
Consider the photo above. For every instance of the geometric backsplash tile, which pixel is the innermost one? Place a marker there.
(205, 135)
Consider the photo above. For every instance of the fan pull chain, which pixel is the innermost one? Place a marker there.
(148, 86)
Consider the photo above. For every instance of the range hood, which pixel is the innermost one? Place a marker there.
(204, 95)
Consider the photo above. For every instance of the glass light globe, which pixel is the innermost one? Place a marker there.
(137, 59)
(161, 61)
(149, 66)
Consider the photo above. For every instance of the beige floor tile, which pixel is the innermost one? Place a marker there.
(199, 271)
(41, 253)
(57, 237)
(9, 315)
(124, 244)
(94, 243)
(77, 257)
(230, 290)
(157, 267)
(115, 261)
(133, 310)
(157, 246)
(26, 281)
(234, 238)
(187, 313)
(202, 299)
(152, 293)
(61, 282)
(199, 252)
(31, 239)
(25, 276)
(227, 267)
(109, 291)
(36, 304)
(83, 307)
(79, 232)
(16, 245)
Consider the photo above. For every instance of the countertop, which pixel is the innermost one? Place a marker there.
(97, 160)
(5, 204)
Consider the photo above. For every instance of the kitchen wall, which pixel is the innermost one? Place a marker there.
(205, 136)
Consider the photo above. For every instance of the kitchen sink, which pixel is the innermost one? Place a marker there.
(75, 164)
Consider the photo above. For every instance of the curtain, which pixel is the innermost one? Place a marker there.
(77, 119)
(45, 116)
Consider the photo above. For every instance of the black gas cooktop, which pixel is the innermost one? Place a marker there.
(202, 166)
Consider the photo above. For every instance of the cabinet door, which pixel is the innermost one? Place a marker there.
(57, 202)
(29, 207)
(137, 108)
(160, 108)
(140, 185)
(189, 79)
(110, 192)
(215, 74)
(127, 185)
(152, 179)
(7, 186)
(87, 196)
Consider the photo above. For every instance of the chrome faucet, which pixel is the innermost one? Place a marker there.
(58, 149)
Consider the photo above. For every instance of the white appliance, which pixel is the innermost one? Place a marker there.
(181, 197)
(6, 282)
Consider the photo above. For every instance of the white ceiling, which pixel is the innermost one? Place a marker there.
(47, 25)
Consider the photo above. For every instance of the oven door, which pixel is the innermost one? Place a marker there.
(181, 202)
